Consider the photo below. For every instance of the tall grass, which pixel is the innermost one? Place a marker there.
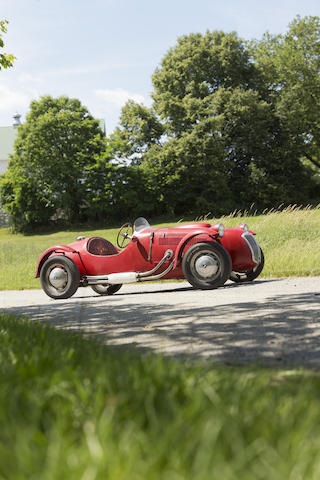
(290, 239)
(73, 409)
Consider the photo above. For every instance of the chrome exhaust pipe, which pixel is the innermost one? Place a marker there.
(130, 277)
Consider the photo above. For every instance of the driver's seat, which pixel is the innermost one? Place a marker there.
(101, 246)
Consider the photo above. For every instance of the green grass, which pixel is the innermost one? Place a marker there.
(74, 409)
(290, 240)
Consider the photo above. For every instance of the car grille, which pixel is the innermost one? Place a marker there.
(254, 247)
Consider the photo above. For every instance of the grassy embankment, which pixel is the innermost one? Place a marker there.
(72, 409)
(290, 240)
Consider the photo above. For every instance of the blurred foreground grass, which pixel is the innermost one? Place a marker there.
(74, 409)
(290, 239)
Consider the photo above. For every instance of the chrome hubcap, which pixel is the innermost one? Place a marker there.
(206, 266)
(58, 278)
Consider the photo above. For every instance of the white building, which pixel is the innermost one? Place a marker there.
(7, 138)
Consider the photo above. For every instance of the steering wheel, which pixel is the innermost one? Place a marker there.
(126, 232)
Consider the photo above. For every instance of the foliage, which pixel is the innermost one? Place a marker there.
(6, 59)
(227, 130)
(290, 65)
(56, 151)
(186, 174)
(71, 408)
(139, 129)
(192, 71)
(117, 192)
(232, 123)
(290, 240)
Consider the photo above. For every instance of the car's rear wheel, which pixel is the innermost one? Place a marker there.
(249, 275)
(106, 289)
(207, 265)
(59, 277)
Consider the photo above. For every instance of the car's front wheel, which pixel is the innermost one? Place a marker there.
(106, 289)
(59, 277)
(249, 275)
(207, 265)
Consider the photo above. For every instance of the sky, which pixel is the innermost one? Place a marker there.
(104, 52)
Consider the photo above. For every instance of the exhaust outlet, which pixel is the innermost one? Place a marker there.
(123, 277)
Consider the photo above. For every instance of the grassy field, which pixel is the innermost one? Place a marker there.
(73, 409)
(290, 240)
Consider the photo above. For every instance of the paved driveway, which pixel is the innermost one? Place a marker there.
(271, 322)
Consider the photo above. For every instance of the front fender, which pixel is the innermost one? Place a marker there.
(183, 242)
(56, 250)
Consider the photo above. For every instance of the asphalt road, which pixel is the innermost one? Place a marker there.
(268, 322)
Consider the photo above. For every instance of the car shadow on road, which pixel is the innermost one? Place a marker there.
(172, 290)
(282, 331)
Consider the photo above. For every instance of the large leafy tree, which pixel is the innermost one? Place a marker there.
(290, 65)
(57, 152)
(193, 71)
(221, 143)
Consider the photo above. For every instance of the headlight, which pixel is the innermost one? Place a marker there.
(220, 228)
(244, 227)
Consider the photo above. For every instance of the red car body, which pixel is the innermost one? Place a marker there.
(206, 255)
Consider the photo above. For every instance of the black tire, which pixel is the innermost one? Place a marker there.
(62, 282)
(106, 289)
(207, 265)
(250, 275)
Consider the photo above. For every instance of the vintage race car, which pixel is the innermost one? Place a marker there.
(206, 255)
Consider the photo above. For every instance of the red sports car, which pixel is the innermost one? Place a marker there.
(204, 254)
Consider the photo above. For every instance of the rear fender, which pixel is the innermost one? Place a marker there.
(185, 240)
(57, 250)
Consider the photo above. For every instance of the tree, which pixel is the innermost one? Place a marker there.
(55, 155)
(193, 70)
(117, 191)
(290, 65)
(262, 166)
(220, 141)
(186, 175)
(6, 59)
(139, 129)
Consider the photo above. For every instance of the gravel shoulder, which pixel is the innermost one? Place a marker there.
(273, 322)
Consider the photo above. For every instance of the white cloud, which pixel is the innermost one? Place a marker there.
(28, 79)
(13, 99)
(118, 97)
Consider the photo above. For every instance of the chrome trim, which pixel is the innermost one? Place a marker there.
(95, 280)
(157, 277)
(58, 278)
(141, 277)
(220, 228)
(206, 266)
(168, 254)
(254, 247)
